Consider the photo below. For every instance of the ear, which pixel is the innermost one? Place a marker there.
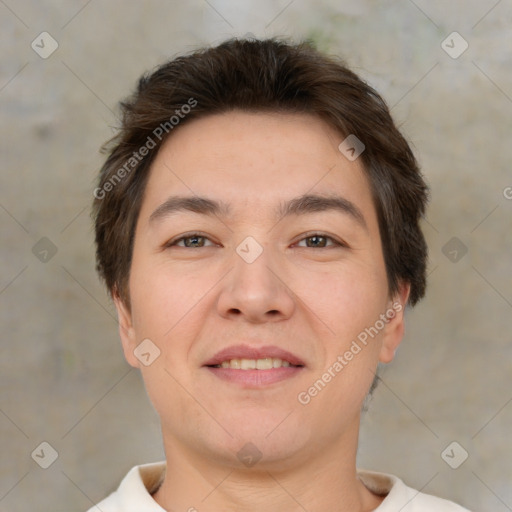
(395, 328)
(126, 330)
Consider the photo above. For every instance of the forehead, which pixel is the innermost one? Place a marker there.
(254, 161)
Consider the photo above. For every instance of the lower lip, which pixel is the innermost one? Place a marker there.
(255, 378)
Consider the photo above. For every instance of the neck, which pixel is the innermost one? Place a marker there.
(326, 480)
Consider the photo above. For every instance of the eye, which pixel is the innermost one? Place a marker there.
(194, 240)
(319, 240)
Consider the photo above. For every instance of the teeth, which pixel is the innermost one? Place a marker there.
(248, 364)
(264, 364)
(254, 364)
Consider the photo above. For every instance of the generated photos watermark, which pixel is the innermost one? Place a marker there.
(305, 397)
(151, 142)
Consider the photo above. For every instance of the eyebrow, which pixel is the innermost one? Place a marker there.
(302, 205)
(310, 203)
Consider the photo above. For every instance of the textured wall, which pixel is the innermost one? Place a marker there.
(63, 377)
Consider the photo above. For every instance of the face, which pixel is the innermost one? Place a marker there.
(258, 245)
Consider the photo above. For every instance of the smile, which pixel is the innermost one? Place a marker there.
(254, 367)
(266, 363)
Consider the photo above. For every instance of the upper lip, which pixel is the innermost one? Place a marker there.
(246, 352)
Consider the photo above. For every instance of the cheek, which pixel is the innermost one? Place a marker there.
(164, 298)
(347, 300)
(168, 308)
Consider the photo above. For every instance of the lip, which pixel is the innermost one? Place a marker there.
(254, 379)
(246, 352)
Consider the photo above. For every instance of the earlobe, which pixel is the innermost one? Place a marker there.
(126, 330)
(395, 328)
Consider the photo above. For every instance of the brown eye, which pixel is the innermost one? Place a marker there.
(318, 241)
(194, 241)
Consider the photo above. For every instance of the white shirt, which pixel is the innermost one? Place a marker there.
(134, 493)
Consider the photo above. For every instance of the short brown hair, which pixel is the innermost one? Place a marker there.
(260, 76)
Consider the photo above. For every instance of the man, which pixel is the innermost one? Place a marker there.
(257, 228)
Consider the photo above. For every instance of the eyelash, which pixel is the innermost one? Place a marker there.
(335, 243)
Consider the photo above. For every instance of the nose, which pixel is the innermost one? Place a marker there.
(256, 291)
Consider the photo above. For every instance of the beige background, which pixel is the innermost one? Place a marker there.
(63, 377)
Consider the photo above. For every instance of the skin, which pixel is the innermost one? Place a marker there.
(308, 296)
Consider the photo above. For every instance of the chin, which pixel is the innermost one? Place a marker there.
(273, 439)
(259, 455)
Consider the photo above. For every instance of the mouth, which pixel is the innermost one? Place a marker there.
(254, 367)
(267, 363)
